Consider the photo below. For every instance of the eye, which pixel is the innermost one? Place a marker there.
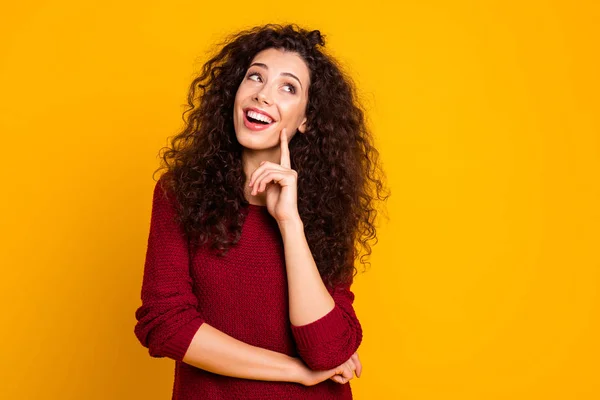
(250, 75)
(292, 87)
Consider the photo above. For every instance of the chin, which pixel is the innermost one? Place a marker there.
(256, 139)
(251, 141)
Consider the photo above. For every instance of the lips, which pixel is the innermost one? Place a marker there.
(258, 110)
(255, 126)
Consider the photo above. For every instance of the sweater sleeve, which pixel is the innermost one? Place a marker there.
(167, 319)
(332, 339)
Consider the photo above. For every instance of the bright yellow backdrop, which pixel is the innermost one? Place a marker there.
(485, 280)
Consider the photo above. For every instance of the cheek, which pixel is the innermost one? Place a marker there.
(237, 97)
(237, 102)
(241, 92)
(290, 112)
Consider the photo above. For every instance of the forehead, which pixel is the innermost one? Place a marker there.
(279, 61)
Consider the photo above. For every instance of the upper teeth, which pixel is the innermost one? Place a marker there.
(261, 117)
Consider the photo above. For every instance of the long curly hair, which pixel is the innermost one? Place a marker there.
(335, 159)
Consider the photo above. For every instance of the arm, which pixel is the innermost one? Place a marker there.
(217, 352)
(323, 321)
(169, 323)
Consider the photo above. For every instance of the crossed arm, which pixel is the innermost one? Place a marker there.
(323, 321)
(170, 325)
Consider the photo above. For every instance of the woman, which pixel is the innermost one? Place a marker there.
(251, 248)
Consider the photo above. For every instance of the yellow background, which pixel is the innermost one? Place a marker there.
(485, 280)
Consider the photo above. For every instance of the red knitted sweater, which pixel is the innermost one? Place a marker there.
(245, 295)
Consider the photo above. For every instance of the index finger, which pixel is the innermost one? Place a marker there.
(285, 151)
(357, 363)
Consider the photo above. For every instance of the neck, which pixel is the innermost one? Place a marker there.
(251, 160)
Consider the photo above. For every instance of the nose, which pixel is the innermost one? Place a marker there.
(263, 95)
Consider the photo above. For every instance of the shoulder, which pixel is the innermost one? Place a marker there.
(164, 188)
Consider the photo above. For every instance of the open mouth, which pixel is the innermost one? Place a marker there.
(258, 118)
(257, 121)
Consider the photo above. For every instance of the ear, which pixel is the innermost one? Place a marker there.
(302, 127)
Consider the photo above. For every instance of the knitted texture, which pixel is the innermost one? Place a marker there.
(243, 294)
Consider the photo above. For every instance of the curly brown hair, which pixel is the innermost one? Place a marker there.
(335, 159)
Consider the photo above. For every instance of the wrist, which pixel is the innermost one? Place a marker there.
(295, 370)
(291, 224)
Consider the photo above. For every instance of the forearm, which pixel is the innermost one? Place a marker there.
(309, 299)
(215, 351)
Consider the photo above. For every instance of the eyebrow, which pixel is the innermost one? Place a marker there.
(283, 73)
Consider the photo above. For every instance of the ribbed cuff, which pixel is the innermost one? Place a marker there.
(329, 327)
(177, 345)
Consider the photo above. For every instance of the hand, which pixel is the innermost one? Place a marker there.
(282, 197)
(341, 374)
(347, 369)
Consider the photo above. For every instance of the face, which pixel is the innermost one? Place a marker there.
(272, 96)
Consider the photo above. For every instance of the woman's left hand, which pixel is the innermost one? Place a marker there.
(346, 371)
(282, 200)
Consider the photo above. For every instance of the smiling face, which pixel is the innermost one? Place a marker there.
(272, 96)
